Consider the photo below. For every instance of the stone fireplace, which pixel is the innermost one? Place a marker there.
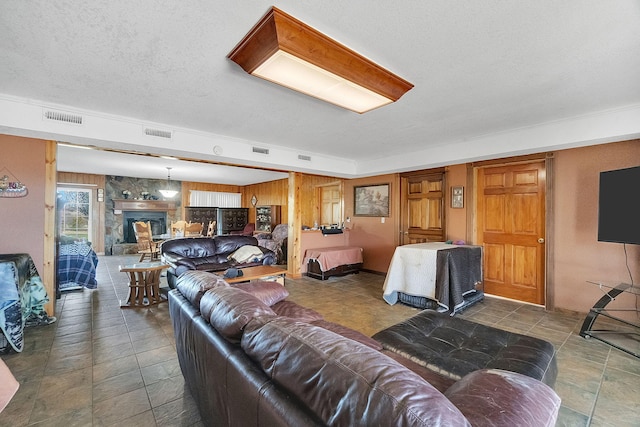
(158, 213)
(158, 221)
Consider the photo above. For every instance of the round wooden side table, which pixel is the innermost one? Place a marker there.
(144, 284)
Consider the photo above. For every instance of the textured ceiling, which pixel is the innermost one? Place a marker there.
(480, 68)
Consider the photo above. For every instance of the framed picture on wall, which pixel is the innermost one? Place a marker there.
(371, 200)
(457, 197)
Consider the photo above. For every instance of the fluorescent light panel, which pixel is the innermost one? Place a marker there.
(294, 73)
(286, 51)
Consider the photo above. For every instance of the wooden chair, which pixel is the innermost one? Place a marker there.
(193, 229)
(144, 238)
(211, 229)
(177, 228)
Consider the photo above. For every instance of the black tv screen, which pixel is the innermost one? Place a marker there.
(618, 212)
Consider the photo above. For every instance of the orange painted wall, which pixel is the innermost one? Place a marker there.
(22, 219)
(378, 239)
(456, 218)
(579, 256)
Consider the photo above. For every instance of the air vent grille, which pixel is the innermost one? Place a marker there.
(158, 133)
(260, 150)
(303, 157)
(60, 116)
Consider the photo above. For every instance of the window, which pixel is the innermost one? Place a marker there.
(74, 213)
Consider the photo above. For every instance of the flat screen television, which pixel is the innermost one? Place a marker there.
(618, 211)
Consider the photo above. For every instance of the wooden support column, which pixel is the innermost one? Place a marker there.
(48, 269)
(294, 205)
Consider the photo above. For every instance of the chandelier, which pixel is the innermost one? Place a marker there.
(168, 192)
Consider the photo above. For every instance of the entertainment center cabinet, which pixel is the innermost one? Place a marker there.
(227, 219)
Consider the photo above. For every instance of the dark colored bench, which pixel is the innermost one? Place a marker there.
(455, 347)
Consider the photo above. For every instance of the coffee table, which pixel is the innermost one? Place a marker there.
(264, 272)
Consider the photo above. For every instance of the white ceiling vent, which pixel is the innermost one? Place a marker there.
(157, 133)
(303, 157)
(61, 116)
(260, 150)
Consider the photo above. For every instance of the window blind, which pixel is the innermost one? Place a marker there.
(216, 199)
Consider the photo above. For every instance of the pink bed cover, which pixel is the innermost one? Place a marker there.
(335, 256)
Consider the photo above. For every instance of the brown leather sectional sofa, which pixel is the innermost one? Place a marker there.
(252, 358)
(208, 254)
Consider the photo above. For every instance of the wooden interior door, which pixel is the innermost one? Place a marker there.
(511, 228)
(422, 206)
(331, 204)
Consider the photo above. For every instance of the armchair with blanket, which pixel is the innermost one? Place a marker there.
(276, 241)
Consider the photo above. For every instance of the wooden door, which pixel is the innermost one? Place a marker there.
(422, 205)
(331, 204)
(511, 228)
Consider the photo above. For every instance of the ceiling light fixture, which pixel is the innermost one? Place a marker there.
(286, 51)
(168, 192)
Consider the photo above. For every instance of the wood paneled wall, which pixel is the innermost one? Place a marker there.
(267, 193)
(309, 206)
(89, 182)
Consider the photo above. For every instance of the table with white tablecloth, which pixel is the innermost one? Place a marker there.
(446, 275)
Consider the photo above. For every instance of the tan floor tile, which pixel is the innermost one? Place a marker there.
(112, 368)
(117, 385)
(157, 355)
(116, 409)
(161, 371)
(181, 411)
(166, 390)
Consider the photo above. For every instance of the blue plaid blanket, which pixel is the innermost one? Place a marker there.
(77, 267)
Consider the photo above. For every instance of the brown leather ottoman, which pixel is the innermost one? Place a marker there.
(456, 347)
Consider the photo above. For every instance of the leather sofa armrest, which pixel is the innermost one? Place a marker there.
(501, 398)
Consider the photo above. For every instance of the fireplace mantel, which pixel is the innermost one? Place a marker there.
(120, 205)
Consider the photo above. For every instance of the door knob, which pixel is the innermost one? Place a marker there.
(541, 240)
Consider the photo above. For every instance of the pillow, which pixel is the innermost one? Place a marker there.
(246, 253)
(229, 309)
(268, 292)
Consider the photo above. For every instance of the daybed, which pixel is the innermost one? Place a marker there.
(216, 253)
(250, 357)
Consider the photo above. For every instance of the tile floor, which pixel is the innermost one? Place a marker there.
(100, 365)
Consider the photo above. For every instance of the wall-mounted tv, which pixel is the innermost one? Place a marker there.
(618, 211)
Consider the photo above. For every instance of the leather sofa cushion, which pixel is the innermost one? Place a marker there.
(269, 292)
(295, 311)
(228, 309)
(515, 399)
(190, 247)
(344, 382)
(348, 333)
(229, 244)
(193, 284)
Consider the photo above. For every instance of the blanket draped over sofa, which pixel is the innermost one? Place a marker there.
(251, 357)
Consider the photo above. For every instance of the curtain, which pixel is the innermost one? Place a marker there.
(215, 199)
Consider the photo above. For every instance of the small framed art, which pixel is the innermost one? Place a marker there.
(457, 197)
(371, 200)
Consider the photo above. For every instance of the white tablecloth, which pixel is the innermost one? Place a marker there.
(413, 271)
(441, 272)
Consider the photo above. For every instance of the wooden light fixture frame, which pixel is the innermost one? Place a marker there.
(280, 31)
